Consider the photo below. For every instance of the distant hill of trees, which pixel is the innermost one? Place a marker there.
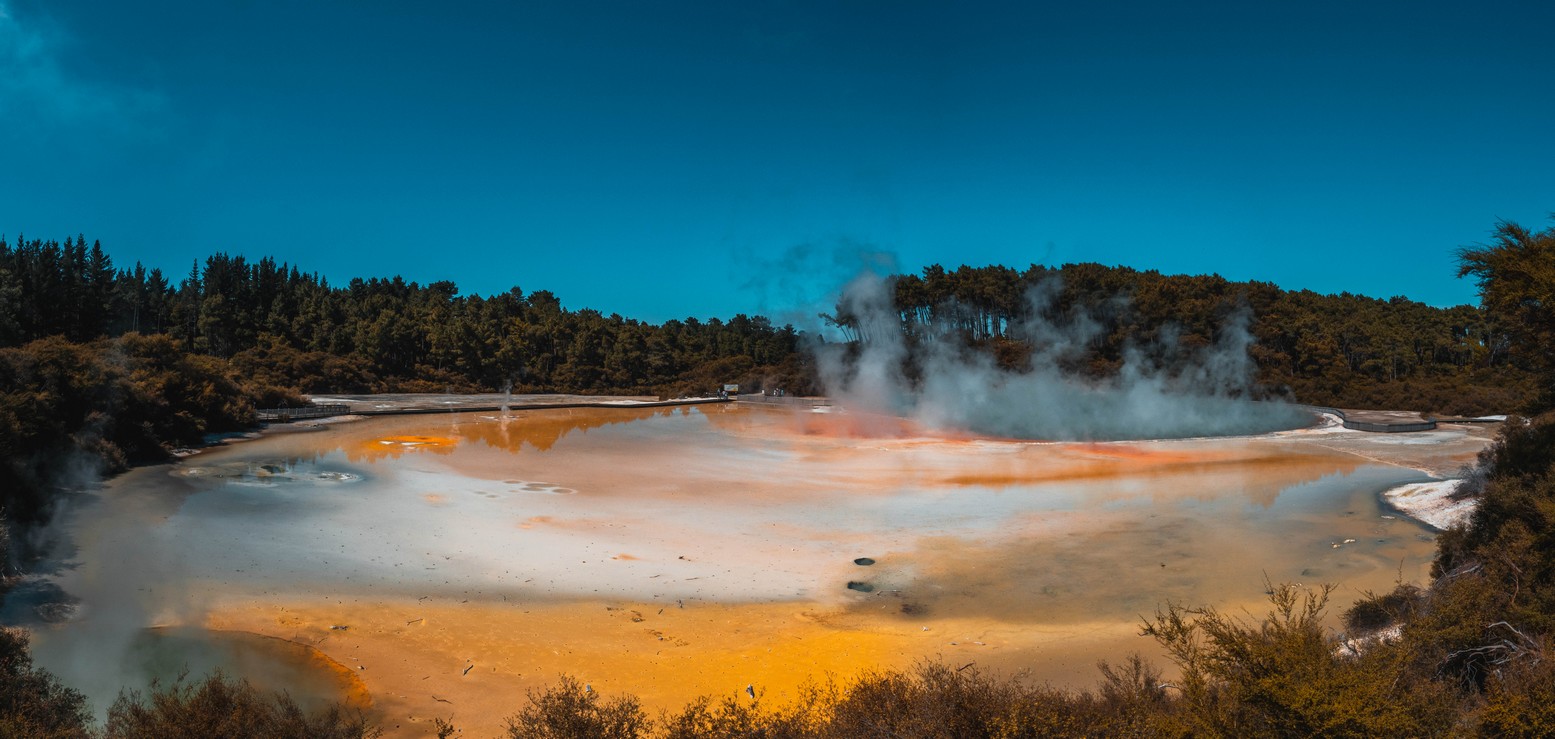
(297, 331)
(288, 330)
(1342, 350)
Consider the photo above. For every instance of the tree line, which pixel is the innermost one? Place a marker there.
(1340, 350)
(292, 330)
(377, 334)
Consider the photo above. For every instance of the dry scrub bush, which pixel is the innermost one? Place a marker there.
(1375, 611)
(219, 706)
(1282, 675)
(1133, 701)
(1500, 568)
(1520, 696)
(938, 700)
(570, 711)
(737, 717)
(33, 704)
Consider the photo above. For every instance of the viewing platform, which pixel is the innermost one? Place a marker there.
(1380, 422)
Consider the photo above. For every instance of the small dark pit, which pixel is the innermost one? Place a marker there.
(862, 587)
(863, 561)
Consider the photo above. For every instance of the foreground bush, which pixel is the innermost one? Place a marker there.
(569, 710)
(733, 717)
(219, 706)
(930, 700)
(1520, 698)
(1283, 676)
(32, 702)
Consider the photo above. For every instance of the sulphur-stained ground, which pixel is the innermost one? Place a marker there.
(474, 662)
(452, 563)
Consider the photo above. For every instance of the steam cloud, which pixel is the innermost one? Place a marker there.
(1204, 393)
(125, 578)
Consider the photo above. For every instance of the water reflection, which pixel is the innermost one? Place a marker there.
(265, 473)
(512, 432)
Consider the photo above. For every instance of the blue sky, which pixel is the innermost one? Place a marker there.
(661, 160)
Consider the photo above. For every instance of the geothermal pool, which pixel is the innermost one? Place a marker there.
(451, 562)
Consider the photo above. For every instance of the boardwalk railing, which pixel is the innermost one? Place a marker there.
(287, 415)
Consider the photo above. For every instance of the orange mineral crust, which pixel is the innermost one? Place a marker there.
(453, 562)
(474, 662)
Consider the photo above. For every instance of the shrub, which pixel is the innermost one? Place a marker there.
(219, 706)
(570, 711)
(939, 700)
(33, 703)
(1282, 676)
(738, 717)
(1374, 611)
(1520, 699)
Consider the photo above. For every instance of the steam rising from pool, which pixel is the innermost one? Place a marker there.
(1161, 390)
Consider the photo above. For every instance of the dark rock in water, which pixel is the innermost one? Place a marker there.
(56, 612)
(862, 587)
(863, 561)
(911, 608)
(36, 601)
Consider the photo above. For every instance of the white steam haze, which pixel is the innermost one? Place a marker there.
(125, 578)
(137, 602)
(1208, 392)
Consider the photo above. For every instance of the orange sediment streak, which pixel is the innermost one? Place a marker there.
(415, 655)
(395, 446)
(345, 686)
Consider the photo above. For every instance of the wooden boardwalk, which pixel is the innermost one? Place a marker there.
(287, 415)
